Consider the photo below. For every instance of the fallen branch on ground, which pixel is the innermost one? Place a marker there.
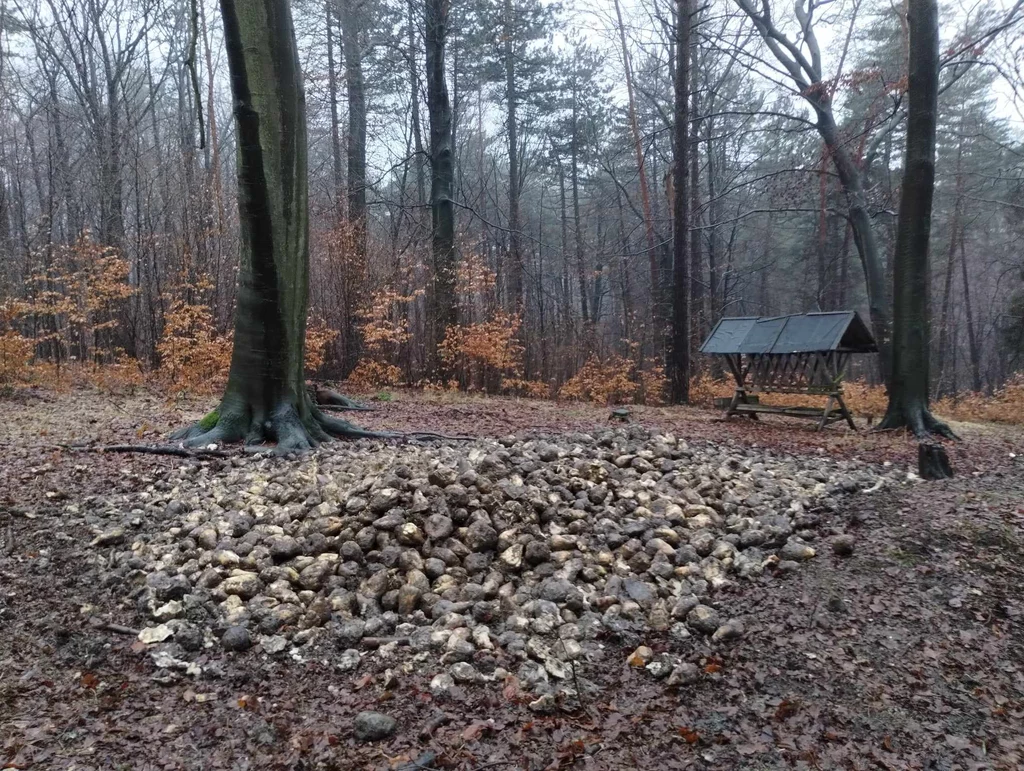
(108, 626)
(148, 449)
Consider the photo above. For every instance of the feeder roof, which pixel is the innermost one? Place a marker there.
(841, 331)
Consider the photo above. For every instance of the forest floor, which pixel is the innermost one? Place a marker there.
(907, 654)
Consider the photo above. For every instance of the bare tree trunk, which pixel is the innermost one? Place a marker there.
(351, 29)
(844, 269)
(972, 337)
(908, 386)
(215, 169)
(624, 280)
(713, 277)
(947, 286)
(679, 351)
(515, 278)
(581, 277)
(414, 101)
(574, 170)
(657, 281)
(332, 90)
(805, 70)
(443, 304)
(698, 313)
(595, 303)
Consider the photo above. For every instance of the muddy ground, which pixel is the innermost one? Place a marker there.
(908, 654)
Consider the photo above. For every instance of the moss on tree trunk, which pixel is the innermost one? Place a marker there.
(266, 399)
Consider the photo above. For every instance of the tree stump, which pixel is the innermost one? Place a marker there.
(933, 462)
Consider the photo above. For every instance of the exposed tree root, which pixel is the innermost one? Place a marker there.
(426, 435)
(918, 420)
(341, 408)
(328, 399)
(286, 430)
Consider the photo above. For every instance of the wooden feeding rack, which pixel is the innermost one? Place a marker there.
(805, 353)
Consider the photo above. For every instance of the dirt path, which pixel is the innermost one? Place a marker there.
(909, 654)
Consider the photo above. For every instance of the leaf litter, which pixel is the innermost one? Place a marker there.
(907, 655)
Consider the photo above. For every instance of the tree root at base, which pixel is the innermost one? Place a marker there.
(284, 431)
(918, 420)
(329, 399)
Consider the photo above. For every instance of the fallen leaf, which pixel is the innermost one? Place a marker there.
(362, 682)
(511, 688)
(691, 736)
(474, 730)
(785, 710)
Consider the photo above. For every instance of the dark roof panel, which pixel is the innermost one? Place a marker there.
(763, 335)
(727, 334)
(798, 333)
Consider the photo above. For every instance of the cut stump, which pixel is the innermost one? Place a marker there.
(933, 461)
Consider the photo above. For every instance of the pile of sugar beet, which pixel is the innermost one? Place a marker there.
(476, 561)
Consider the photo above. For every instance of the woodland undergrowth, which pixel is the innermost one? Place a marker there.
(67, 332)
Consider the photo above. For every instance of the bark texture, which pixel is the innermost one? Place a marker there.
(515, 280)
(266, 397)
(679, 352)
(443, 309)
(908, 385)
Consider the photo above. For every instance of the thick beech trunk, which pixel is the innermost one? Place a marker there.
(908, 384)
(266, 397)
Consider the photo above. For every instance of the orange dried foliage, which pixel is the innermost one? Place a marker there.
(385, 320)
(194, 357)
(75, 299)
(71, 308)
(606, 382)
(617, 380)
(318, 337)
(15, 355)
(474, 278)
(15, 349)
(487, 356)
(487, 344)
(385, 329)
(370, 374)
(1004, 406)
(123, 374)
